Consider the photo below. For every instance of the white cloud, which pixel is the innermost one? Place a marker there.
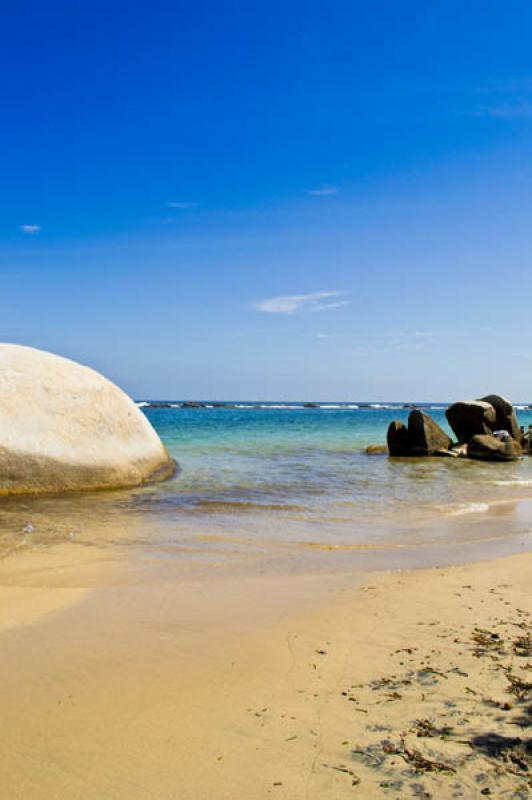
(292, 303)
(30, 228)
(326, 306)
(323, 191)
(182, 206)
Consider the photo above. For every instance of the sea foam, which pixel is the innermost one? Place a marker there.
(468, 508)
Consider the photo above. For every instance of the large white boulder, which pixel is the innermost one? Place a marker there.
(64, 427)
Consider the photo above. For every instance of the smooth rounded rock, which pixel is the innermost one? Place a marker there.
(470, 417)
(491, 448)
(65, 427)
(506, 419)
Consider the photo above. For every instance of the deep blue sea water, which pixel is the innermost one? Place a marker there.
(268, 484)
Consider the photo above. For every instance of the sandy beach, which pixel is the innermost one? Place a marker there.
(388, 684)
(266, 400)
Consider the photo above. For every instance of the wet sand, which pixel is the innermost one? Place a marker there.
(121, 682)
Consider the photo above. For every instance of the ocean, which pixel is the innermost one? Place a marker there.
(282, 486)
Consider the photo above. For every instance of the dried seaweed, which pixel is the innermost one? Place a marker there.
(522, 646)
(514, 753)
(355, 780)
(487, 641)
(518, 686)
(423, 764)
(424, 728)
(416, 759)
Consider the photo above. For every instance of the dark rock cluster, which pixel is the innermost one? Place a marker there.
(485, 429)
(422, 437)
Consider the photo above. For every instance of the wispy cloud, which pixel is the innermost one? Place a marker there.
(292, 303)
(325, 335)
(30, 229)
(323, 191)
(182, 206)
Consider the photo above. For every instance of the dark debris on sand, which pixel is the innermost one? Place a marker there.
(476, 741)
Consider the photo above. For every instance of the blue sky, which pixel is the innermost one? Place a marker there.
(282, 200)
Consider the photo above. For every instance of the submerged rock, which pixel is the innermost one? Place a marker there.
(485, 447)
(423, 437)
(460, 450)
(376, 449)
(65, 427)
(468, 418)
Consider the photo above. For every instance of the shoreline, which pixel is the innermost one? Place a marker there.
(44, 577)
(268, 686)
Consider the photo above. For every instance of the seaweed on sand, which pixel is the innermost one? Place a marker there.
(389, 683)
(514, 753)
(375, 756)
(424, 728)
(518, 687)
(355, 780)
(416, 759)
(522, 646)
(487, 642)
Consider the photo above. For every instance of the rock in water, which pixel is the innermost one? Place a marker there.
(376, 449)
(65, 427)
(423, 437)
(468, 418)
(446, 453)
(397, 439)
(460, 450)
(485, 447)
(506, 419)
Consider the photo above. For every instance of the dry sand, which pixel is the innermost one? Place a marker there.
(393, 685)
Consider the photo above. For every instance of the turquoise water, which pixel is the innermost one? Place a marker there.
(281, 484)
(290, 475)
(278, 457)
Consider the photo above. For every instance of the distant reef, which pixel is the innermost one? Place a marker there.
(306, 406)
(486, 429)
(64, 427)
